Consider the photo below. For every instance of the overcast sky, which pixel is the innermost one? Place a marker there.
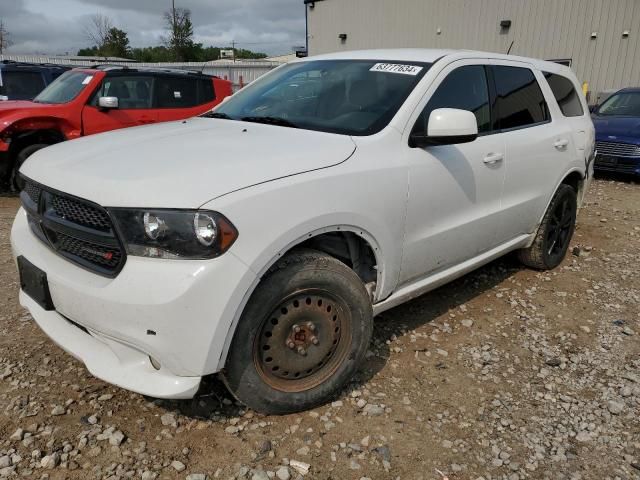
(57, 26)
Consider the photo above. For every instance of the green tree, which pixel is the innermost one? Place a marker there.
(116, 44)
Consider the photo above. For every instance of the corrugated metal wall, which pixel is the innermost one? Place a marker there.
(547, 29)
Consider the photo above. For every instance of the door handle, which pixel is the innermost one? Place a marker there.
(493, 158)
(561, 144)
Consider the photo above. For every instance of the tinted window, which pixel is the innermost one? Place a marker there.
(520, 102)
(22, 85)
(350, 97)
(466, 89)
(133, 93)
(565, 94)
(65, 88)
(206, 93)
(175, 92)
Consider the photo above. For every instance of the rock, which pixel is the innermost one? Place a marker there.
(58, 410)
(553, 362)
(303, 451)
(626, 392)
(615, 407)
(384, 452)
(18, 435)
(168, 420)
(372, 410)
(50, 461)
(264, 447)
(447, 443)
(283, 473)
(197, 476)
(259, 475)
(627, 331)
(467, 323)
(583, 436)
(353, 465)
(300, 467)
(105, 397)
(148, 475)
(116, 438)
(178, 466)
(92, 420)
(5, 461)
(94, 452)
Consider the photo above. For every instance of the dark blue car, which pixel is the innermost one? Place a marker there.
(617, 123)
(24, 81)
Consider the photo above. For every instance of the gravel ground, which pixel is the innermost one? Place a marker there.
(506, 373)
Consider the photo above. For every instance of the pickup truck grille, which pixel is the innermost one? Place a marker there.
(618, 149)
(76, 229)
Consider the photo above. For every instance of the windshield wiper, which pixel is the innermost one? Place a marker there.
(221, 115)
(280, 122)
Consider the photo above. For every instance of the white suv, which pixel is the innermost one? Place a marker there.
(260, 239)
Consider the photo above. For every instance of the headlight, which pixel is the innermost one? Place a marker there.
(182, 234)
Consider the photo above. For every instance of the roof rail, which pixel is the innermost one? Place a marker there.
(109, 67)
(32, 64)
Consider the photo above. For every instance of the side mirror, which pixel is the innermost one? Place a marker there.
(108, 103)
(447, 126)
(593, 108)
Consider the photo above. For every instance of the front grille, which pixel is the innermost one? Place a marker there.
(617, 164)
(33, 191)
(76, 229)
(81, 213)
(618, 149)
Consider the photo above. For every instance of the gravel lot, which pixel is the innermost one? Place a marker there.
(505, 374)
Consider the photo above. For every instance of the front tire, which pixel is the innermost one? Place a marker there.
(302, 335)
(17, 184)
(554, 234)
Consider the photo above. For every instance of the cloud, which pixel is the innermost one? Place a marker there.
(46, 27)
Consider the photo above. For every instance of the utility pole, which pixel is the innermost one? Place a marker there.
(233, 48)
(4, 37)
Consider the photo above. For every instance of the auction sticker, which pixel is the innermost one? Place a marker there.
(396, 68)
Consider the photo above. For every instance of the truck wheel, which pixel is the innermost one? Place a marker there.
(16, 182)
(302, 335)
(554, 234)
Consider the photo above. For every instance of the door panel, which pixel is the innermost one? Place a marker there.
(135, 98)
(538, 147)
(454, 202)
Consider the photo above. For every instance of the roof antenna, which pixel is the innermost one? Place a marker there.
(510, 47)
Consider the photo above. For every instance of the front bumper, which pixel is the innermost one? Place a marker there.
(610, 163)
(177, 312)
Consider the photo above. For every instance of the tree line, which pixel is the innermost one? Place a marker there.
(178, 45)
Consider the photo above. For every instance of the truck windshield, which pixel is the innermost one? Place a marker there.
(351, 97)
(625, 104)
(65, 88)
(20, 85)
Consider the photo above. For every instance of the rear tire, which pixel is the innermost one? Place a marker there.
(554, 234)
(302, 335)
(17, 184)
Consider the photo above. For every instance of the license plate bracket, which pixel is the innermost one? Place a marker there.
(34, 283)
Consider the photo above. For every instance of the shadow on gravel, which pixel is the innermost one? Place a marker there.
(215, 401)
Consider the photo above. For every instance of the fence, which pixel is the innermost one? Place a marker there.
(240, 73)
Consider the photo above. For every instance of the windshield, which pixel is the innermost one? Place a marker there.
(65, 88)
(626, 104)
(340, 96)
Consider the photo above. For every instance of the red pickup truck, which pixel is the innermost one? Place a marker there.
(85, 101)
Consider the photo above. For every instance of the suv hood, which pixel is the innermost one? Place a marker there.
(617, 126)
(182, 164)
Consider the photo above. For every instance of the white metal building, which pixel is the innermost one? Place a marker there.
(600, 39)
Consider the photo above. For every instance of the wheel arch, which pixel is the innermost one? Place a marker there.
(356, 240)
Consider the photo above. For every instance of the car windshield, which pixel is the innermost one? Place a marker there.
(350, 97)
(625, 104)
(65, 88)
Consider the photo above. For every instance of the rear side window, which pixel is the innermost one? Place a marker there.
(21, 85)
(565, 94)
(520, 102)
(466, 89)
(206, 93)
(176, 92)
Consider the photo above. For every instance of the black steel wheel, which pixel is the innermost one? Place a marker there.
(302, 335)
(555, 232)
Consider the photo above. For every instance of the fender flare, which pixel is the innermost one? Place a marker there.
(283, 250)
